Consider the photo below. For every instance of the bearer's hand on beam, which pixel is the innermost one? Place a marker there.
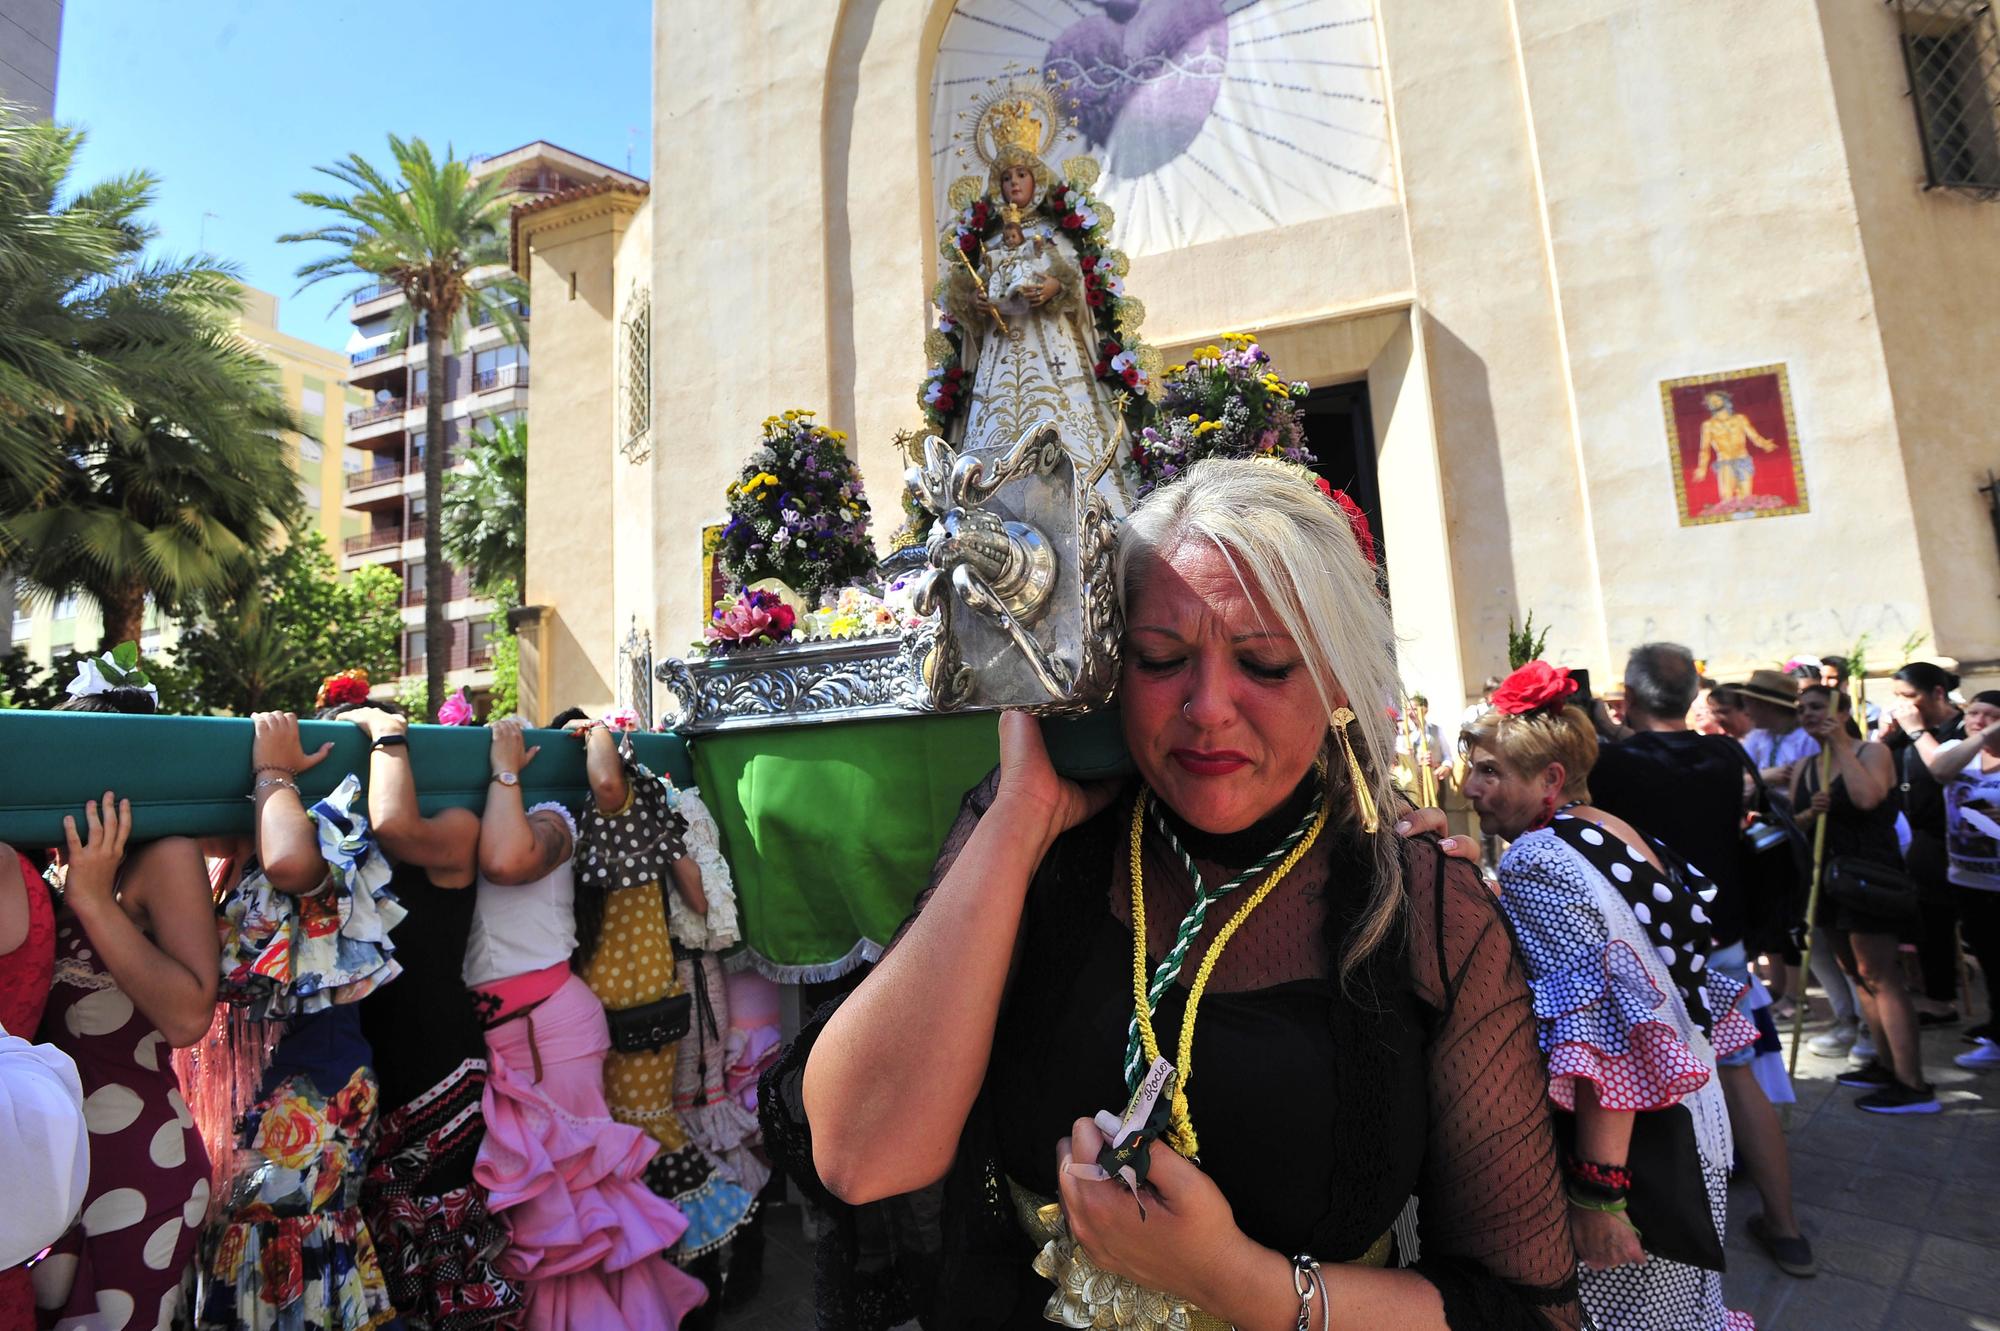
(277, 744)
(510, 751)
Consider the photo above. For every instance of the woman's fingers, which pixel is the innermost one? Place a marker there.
(124, 831)
(69, 834)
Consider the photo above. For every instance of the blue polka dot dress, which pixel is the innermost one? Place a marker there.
(1617, 953)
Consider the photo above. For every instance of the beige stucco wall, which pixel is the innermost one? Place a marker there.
(1595, 195)
(573, 484)
(1933, 263)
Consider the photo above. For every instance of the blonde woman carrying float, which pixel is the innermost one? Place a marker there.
(1336, 1006)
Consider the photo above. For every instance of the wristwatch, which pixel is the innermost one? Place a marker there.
(507, 778)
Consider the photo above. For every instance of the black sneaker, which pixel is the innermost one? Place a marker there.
(1870, 1076)
(1896, 1098)
(1974, 1034)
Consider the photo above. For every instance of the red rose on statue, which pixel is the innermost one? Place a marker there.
(1534, 687)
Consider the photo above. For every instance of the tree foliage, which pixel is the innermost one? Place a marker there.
(486, 512)
(425, 226)
(140, 437)
(268, 648)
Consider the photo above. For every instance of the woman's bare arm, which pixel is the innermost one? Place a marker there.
(895, 1072)
(170, 977)
(515, 847)
(687, 882)
(606, 769)
(446, 844)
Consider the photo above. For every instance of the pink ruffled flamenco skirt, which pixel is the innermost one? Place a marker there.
(589, 1237)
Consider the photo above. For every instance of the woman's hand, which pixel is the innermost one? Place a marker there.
(1029, 781)
(1821, 802)
(509, 751)
(93, 862)
(1432, 822)
(1904, 715)
(1187, 1239)
(375, 722)
(1604, 1240)
(1822, 726)
(277, 744)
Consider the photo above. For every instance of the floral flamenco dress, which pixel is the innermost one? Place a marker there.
(25, 975)
(289, 1248)
(1616, 954)
(120, 1267)
(626, 856)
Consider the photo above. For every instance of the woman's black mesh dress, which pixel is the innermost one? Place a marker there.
(1424, 1068)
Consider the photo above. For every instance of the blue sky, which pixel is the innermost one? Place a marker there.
(231, 103)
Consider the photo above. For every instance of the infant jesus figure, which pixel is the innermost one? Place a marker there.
(1018, 265)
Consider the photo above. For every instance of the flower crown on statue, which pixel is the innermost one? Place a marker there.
(118, 668)
(1535, 687)
(339, 690)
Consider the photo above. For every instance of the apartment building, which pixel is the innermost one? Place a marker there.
(485, 384)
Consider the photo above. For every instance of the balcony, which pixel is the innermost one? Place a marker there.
(460, 587)
(375, 411)
(461, 657)
(374, 353)
(382, 538)
(380, 289)
(505, 376)
(374, 476)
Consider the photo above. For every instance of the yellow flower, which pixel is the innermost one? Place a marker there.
(292, 1133)
(1205, 427)
(791, 414)
(843, 626)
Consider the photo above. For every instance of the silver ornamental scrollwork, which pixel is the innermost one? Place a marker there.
(790, 684)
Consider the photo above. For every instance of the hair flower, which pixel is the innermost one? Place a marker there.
(340, 690)
(1535, 687)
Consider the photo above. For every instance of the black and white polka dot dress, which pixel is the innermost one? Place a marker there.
(1616, 955)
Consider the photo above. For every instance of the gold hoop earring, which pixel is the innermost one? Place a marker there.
(1343, 717)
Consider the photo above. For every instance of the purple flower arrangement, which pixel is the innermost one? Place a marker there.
(797, 513)
(1225, 402)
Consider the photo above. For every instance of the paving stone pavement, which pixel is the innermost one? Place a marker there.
(1903, 1214)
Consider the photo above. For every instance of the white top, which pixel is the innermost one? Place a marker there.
(1972, 824)
(524, 928)
(44, 1149)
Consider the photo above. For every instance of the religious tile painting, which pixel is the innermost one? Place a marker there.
(1734, 445)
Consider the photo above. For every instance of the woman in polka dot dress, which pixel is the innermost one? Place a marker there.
(1615, 942)
(135, 975)
(27, 962)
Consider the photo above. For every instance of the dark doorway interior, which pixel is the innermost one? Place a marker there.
(1341, 433)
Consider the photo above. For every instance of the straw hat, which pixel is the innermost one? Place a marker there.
(1772, 686)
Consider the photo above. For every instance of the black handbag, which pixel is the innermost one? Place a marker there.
(1776, 860)
(650, 1026)
(1870, 887)
(1668, 1204)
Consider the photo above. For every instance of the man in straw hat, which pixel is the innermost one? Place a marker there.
(1777, 745)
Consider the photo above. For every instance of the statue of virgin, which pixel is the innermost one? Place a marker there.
(1032, 299)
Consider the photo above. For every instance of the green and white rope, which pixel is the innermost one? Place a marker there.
(1169, 968)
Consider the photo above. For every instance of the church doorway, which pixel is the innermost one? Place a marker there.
(1341, 433)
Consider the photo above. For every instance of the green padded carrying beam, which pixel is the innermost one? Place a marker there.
(189, 775)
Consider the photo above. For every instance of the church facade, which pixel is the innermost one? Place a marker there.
(1654, 318)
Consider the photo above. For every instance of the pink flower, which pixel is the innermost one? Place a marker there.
(755, 617)
(457, 710)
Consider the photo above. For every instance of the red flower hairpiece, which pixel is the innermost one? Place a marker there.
(349, 686)
(1356, 519)
(1535, 687)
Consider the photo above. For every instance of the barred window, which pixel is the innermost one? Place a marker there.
(1952, 51)
(638, 374)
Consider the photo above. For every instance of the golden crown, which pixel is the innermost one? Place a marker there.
(1017, 115)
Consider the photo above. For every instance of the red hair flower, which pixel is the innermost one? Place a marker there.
(349, 686)
(1358, 520)
(1536, 686)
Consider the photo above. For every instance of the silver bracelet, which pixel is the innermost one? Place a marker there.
(270, 781)
(1307, 1284)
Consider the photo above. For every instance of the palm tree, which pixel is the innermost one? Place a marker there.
(87, 328)
(486, 509)
(152, 507)
(427, 227)
(140, 437)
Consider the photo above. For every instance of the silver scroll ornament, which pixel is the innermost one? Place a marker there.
(1017, 589)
